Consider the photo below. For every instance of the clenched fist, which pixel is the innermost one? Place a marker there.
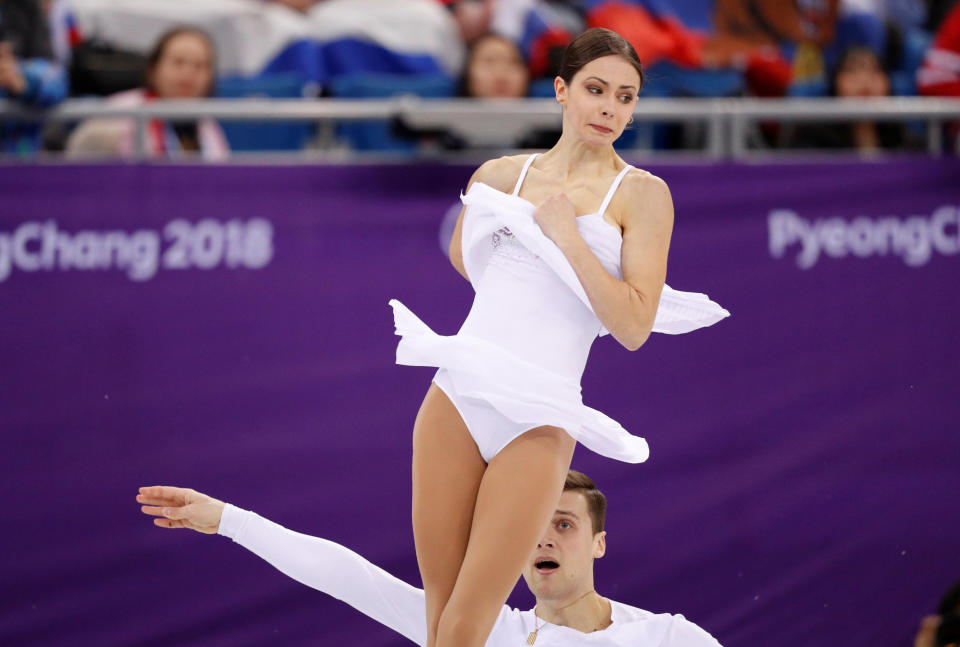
(557, 219)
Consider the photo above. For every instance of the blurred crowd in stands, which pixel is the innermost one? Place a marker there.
(134, 51)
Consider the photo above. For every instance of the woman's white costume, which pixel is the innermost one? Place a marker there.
(517, 360)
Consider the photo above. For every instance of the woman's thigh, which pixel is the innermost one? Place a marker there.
(447, 470)
(516, 499)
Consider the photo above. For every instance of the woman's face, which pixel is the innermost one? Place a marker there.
(600, 99)
(496, 70)
(185, 68)
(862, 76)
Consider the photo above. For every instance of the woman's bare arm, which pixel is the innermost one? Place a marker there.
(628, 307)
(501, 174)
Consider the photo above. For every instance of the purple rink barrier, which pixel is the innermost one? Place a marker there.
(227, 329)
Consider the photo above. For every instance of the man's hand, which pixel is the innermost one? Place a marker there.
(181, 508)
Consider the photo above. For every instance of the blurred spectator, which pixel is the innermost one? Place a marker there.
(780, 44)
(495, 69)
(180, 66)
(775, 42)
(942, 629)
(858, 74)
(744, 25)
(28, 72)
(940, 73)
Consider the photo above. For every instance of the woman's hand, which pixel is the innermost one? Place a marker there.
(181, 508)
(557, 219)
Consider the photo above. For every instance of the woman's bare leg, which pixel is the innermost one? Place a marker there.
(517, 497)
(447, 469)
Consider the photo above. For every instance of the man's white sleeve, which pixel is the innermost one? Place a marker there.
(332, 569)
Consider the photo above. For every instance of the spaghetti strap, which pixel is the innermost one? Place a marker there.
(613, 189)
(523, 173)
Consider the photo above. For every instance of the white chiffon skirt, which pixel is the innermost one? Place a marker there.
(524, 393)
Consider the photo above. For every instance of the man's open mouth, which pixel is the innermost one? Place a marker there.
(546, 565)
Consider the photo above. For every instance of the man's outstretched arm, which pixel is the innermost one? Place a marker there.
(318, 563)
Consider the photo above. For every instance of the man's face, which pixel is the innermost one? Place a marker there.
(561, 566)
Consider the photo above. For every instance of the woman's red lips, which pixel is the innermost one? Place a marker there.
(602, 129)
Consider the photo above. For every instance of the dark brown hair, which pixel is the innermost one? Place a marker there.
(156, 53)
(596, 43)
(596, 502)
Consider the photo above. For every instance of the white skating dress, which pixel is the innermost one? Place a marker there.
(517, 360)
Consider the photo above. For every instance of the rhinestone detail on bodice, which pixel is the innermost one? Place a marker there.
(506, 246)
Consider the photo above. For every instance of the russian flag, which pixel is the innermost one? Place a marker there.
(654, 30)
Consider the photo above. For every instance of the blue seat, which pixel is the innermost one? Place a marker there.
(903, 80)
(808, 89)
(264, 136)
(668, 80)
(541, 89)
(695, 14)
(379, 135)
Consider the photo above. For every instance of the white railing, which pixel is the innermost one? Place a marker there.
(498, 123)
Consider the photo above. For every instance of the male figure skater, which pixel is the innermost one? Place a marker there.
(559, 573)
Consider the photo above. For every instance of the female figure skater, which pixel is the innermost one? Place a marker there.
(560, 247)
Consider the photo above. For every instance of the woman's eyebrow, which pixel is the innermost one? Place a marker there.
(622, 87)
